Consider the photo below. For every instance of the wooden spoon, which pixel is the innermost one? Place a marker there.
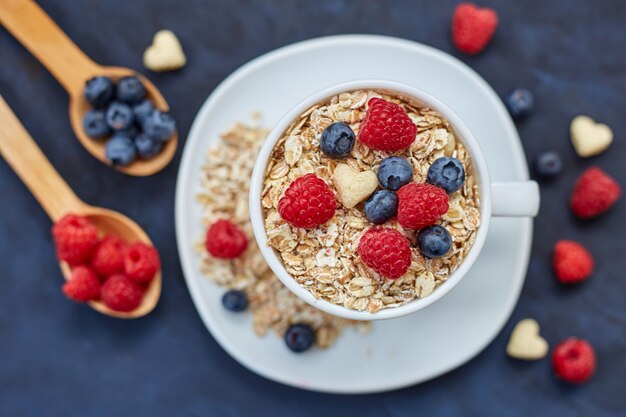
(57, 198)
(72, 68)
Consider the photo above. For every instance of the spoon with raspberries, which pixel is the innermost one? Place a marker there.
(108, 261)
(119, 116)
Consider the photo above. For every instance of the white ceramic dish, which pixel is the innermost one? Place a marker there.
(399, 352)
(497, 199)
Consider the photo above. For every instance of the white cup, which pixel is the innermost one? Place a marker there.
(511, 199)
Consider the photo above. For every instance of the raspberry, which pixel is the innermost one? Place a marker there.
(109, 257)
(75, 238)
(473, 27)
(594, 193)
(83, 285)
(141, 262)
(386, 251)
(308, 202)
(421, 205)
(386, 126)
(574, 360)
(572, 263)
(120, 293)
(225, 240)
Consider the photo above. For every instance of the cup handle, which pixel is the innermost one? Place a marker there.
(515, 199)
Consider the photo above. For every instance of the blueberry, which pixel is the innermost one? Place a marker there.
(95, 124)
(120, 150)
(299, 337)
(434, 241)
(447, 173)
(394, 172)
(235, 300)
(99, 91)
(147, 147)
(131, 132)
(520, 103)
(142, 110)
(381, 206)
(337, 140)
(159, 126)
(120, 116)
(548, 164)
(130, 90)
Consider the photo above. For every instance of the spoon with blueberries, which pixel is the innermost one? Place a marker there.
(119, 116)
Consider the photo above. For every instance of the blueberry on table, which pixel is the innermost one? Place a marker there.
(95, 124)
(99, 91)
(159, 126)
(337, 140)
(548, 165)
(130, 90)
(120, 116)
(147, 147)
(447, 173)
(120, 150)
(299, 337)
(142, 110)
(434, 241)
(381, 206)
(520, 103)
(235, 300)
(394, 172)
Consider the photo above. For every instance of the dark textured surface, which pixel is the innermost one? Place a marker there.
(61, 359)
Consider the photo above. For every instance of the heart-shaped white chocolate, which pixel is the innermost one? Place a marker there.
(353, 186)
(588, 137)
(526, 342)
(165, 53)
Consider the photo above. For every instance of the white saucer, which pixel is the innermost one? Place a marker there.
(397, 352)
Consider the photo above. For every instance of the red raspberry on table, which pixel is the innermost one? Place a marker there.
(109, 257)
(308, 202)
(571, 262)
(120, 293)
(141, 262)
(473, 27)
(75, 238)
(594, 193)
(421, 205)
(386, 251)
(574, 360)
(386, 126)
(83, 285)
(225, 240)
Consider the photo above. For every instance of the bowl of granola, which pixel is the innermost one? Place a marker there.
(372, 199)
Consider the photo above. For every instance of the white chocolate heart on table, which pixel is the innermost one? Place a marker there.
(588, 137)
(165, 53)
(526, 342)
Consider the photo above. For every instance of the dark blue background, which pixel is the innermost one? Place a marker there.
(62, 359)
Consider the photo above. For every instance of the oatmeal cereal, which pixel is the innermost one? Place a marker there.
(325, 259)
(225, 181)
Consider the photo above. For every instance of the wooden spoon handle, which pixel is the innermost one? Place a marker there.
(47, 42)
(30, 164)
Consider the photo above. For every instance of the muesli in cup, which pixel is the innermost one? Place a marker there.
(370, 200)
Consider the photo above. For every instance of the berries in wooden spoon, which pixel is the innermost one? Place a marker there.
(110, 269)
(123, 114)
